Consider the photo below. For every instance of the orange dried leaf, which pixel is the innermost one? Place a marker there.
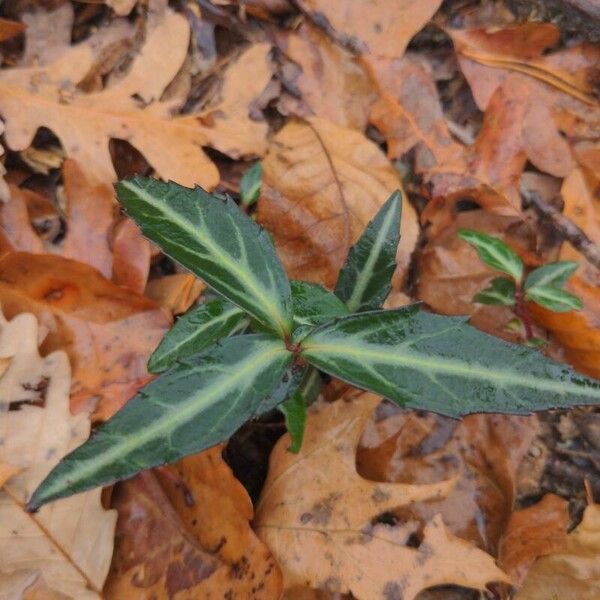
(107, 331)
(167, 547)
(533, 532)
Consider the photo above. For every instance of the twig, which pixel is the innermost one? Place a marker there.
(320, 21)
(564, 226)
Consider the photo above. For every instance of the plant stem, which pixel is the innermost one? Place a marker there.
(522, 312)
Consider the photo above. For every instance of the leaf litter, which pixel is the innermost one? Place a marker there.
(463, 109)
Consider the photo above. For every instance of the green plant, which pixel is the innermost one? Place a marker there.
(544, 285)
(208, 390)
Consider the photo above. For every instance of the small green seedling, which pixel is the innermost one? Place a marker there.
(250, 185)
(263, 343)
(544, 285)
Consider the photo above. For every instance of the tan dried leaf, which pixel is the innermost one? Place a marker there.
(70, 541)
(572, 573)
(322, 184)
(316, 515)
(131, 109)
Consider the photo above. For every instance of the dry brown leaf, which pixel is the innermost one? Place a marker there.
(382, 27)
(131, 260)
(107, 331)
(572, 573)
(15, 223)
(532, 532)
(70, 541)
(176, 292)
(121, 7)
(10, 29)
(85, 123)
(332, 83)
(450, 272)
(483, 452)
(168, 548)
(577, 331)
(522, 48)
(408, 113)
(322, 184)
(316, 514)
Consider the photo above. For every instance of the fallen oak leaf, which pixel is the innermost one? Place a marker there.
(85, 123)
(70, 542)
(107, 331)
(316, 514)
(200, 541)
(322, 184)
(177, 292)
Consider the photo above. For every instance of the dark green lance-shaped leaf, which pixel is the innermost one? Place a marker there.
(198, 403)
(197, 330)
(553, 298)
(211, 237)
(494, 252)
(500, 291)
(313, 304)
(294, 411)
(555, 274)
(366, 277)
(443, 364)
(250, 185)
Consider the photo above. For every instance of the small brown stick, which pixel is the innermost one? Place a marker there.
(564, 226)
(320, 21)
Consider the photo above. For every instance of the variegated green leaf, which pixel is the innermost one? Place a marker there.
(555, 274)
(200, 402)
(250, 184)
(554, 298)
(294, 411)
(313, 304)
(500, 291)
(494, 252)
(195, 331)
(211, 237)
(366, 277)
(443, 364)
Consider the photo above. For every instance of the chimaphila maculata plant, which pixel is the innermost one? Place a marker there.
(259, 344)
(544, 285)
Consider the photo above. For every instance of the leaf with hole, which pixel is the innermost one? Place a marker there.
(211, 237)
(494, 252)
(442, 364)
(365, 279)
(195, 331)
(198, 403)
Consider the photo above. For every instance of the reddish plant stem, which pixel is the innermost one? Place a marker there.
(522, 312)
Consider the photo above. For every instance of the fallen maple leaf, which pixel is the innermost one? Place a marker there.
(316, 514)
(532, 532)
(70, 541)
(85, 123)
(573, 572)
(322, 184)
(201, 548)
(577, 331)
(107, 331)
